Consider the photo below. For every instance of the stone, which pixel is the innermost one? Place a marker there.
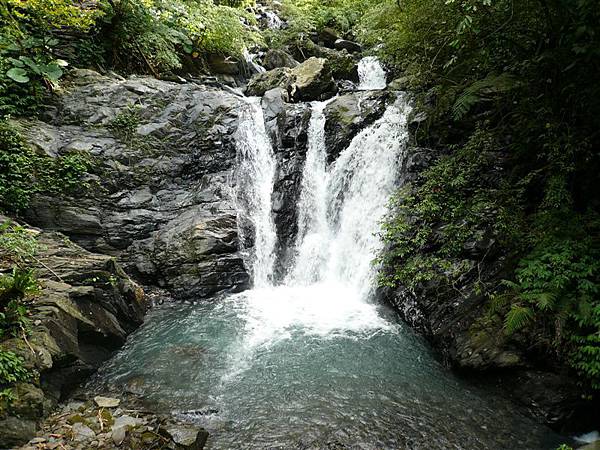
(351, 46)
(328, 36)
(275, 58)
(312, 80)
(127, 421)
(188, 437)
(106, 402)
(118, 435)
(82, 432)
(342, 65)
(265, 81)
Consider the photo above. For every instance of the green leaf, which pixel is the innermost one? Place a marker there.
(517, 318)
(52, 72)
(17, 74)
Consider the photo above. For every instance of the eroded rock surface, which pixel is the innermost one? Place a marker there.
(159, 197)
(85, 309)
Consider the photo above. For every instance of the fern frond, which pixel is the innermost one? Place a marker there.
(517, 318)
(480, 91)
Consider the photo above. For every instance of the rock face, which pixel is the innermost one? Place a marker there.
(159, 197)
(458, 323)
(287, 125)
(86, 308)
(349, 114)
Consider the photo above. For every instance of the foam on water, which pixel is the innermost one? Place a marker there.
(371, 74)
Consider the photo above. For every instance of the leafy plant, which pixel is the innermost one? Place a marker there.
(12, 369)
(14, 319)
(17, 285)
(23, 173)
(17, 243)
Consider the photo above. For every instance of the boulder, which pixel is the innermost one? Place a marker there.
(351, 46)
(308, 81)
(342, 65)
(312, 80)
(275, 58)
(223, 65)
(265, 81)
(347, 115)
(328, 36)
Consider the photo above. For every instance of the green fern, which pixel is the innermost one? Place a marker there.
(481, 91)
(517, 318)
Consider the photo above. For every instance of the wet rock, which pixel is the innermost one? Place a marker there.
(312, 80)
(347, 115)
(188, 437)
(287, 125)
(351, 46)
(275, 58)
(106, 402)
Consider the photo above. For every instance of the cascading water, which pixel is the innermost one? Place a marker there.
(313, 362)
(255, 172)
(371, 74)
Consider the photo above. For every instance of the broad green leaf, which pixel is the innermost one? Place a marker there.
(17, 74)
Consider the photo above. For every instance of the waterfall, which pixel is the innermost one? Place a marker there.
(313, 227)
(341, 206)
(371, 74)
(249, 58)
(274, 22)
(254, 175)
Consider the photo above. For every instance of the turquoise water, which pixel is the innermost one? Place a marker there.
(309, 368)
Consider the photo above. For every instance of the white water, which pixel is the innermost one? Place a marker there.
(274, 22)
(371, 74)
(249, 58)
(255, 172)
(328, 287)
